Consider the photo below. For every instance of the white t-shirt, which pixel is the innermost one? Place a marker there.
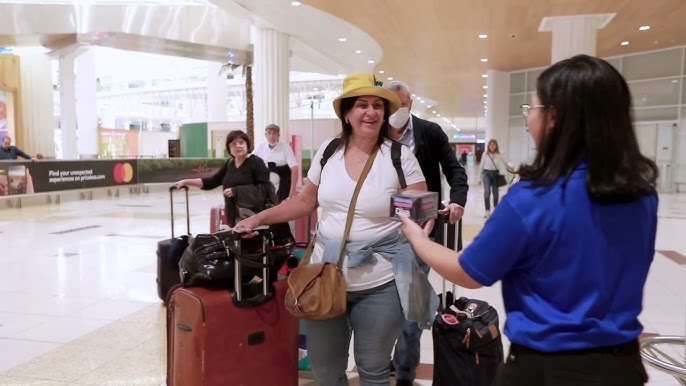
(281, 155)
(372, 217)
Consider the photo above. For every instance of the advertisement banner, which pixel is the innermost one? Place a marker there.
(156, 170)
(27, 177)
(49, 176)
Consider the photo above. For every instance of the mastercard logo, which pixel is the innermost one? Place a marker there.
(123, 172)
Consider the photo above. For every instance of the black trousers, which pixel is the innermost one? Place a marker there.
(604, 366)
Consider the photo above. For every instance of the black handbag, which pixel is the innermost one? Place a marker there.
(500, 180)
(210, 257)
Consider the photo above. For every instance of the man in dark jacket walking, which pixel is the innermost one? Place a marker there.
(430, 144)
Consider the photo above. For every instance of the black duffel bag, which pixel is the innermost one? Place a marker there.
(210, 258)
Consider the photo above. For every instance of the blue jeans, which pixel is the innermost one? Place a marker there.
(490, 178)
(407, 348)
(375, 317)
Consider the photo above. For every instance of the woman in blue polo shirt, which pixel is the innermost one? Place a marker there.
(573, 241)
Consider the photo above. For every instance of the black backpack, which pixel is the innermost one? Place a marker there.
(395, 157)
(468, 347)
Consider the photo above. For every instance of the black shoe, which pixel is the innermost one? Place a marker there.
(403, 382)
(392, 369)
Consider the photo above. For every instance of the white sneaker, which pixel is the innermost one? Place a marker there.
(487, 214)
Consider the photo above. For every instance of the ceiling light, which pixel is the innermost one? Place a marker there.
(483, 36)
(484, 75)
(485, 95)
(413, 95)
(453, 125)
(428, 106)
(644, 28)
(484, 87)
(439, 115)
(625, 43)
(358, 51)
(485, 102)
(295, 3)
(315, 88)
(342, 39)
(381, 71)
(422, 101)
(434, 111)
(484, 60)
(675, 81)
(390, 78)
(370, 61)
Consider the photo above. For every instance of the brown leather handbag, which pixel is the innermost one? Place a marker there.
(318, 291)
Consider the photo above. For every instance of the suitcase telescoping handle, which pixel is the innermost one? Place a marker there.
(237, 280)
(188, 216)
(457, 246)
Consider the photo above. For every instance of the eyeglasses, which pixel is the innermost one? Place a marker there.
(527, 108)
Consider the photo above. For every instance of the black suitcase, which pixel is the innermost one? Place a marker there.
(169, 252)
(468, 348)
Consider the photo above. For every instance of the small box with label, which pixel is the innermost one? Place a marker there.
(418, 205)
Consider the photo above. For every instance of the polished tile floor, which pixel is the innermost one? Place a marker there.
(78, 303)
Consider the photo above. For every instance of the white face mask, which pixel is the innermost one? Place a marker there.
(400, 117)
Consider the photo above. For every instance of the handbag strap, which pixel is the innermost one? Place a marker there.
(493, 162)
(349, 219)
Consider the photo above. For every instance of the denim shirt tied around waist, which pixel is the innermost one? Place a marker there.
(417, 297)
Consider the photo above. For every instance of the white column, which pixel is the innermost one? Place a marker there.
(217, 92)
(38, 112)
(86, 104)
(574, 34)
(271, 83)
(497, 120)
(67, 83)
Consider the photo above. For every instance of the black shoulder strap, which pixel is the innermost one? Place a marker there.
(330, 149)
(396, 149)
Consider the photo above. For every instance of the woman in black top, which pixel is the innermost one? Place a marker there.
(244, 177)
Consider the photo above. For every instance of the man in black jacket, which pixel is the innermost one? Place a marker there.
(430, 145)
(8, 152)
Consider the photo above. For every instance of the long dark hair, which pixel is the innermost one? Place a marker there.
(346, 105)
(591, 105)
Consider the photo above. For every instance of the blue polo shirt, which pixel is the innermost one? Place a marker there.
(572, 269)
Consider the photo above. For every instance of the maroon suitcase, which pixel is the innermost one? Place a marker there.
(213, 342)
(217, 218)
(304, 226)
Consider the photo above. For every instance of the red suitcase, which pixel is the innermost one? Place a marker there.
(217, 218)
(213, 342)
(304, 226)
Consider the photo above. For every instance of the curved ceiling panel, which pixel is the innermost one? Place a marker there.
(200, 32)
(315, 36)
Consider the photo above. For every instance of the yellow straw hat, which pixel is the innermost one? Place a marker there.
(365, 84)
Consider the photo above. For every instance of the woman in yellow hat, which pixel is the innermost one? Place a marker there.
(378, 267)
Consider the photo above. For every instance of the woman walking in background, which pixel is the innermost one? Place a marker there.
(244, 179)
(492, 162)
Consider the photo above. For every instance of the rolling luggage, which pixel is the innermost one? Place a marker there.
(468, 348)
(217, 218)
(304, 226)
(216, 338)
(169, 252)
